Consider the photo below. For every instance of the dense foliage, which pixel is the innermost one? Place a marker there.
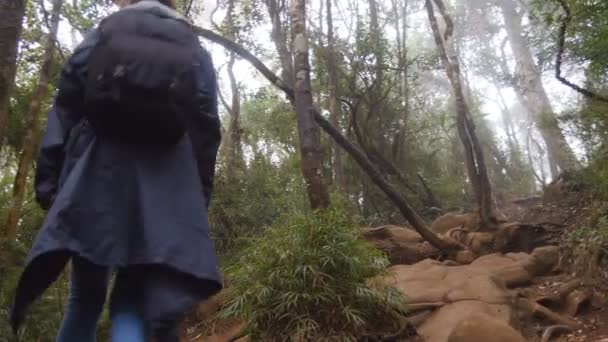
(307, 278)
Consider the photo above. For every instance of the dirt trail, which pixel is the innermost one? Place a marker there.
(526, 291)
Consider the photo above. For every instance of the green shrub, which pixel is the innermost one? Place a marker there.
(307, 278)
(246, 202)
(588, 246)
(596, 175)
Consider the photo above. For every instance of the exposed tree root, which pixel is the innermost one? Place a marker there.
(576, 300)
(550, 331)
(424, 306)
(540, 311)
(556, 299)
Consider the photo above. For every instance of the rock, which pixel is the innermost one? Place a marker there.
(449, 319)
(397, 233)
(462, 294)
(446, 222)
(478, 242)
(517, 269)
(543, 260)
(430, 281)
(482, 327)
(465, 257)
(403, 245)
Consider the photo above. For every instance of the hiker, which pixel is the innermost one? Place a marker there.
(125, 170)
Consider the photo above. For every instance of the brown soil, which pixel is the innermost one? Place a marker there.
(514, 295)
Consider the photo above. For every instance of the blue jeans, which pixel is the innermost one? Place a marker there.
(88, 287)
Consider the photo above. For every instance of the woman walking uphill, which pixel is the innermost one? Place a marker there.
(126, 170)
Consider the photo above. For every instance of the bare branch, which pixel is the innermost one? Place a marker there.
(188, 8)
(559, 58)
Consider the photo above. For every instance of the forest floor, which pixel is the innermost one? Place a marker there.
(594, 322)
(539, 294)
(568, 210)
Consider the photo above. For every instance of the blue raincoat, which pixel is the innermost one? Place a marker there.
(120, 205)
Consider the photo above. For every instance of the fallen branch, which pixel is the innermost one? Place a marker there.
(413, 307)
(560, 52)
(355, 152)
(248, 56)
(371, 170)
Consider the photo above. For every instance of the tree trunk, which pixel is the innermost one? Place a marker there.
(431, 200)
(400, 61)
(507, 121)
(279, 38)
(400, 22)
(234, 131)
(31, 138)
(400, 202)
(376, 36)
(466, 129)
(11, 20)
(406, 89)
(532, 91)
(308, 130)
(334, 104)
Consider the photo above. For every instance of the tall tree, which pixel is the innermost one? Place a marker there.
(279, 38)
(308, 130)
(533, 94)
(31, 138)
(400, 22)
(474, 157)
(334, 105)
(11, 21)
(376, 36)
(234, 131)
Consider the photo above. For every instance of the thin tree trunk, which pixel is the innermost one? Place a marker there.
(542, 178)
(74, 30)
(400, 202)
(507, 121)
(11, 20)
(400, 22)
(234, 143)
(406, 89)
(234, 153)
(334, 104)
(308, 130)
(400, 61)
(466, 129)
(376, 36)
(534, 96)
(279, 38)
(31, 138)
(430, 197)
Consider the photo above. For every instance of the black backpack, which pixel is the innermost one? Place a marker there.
(141, 83)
